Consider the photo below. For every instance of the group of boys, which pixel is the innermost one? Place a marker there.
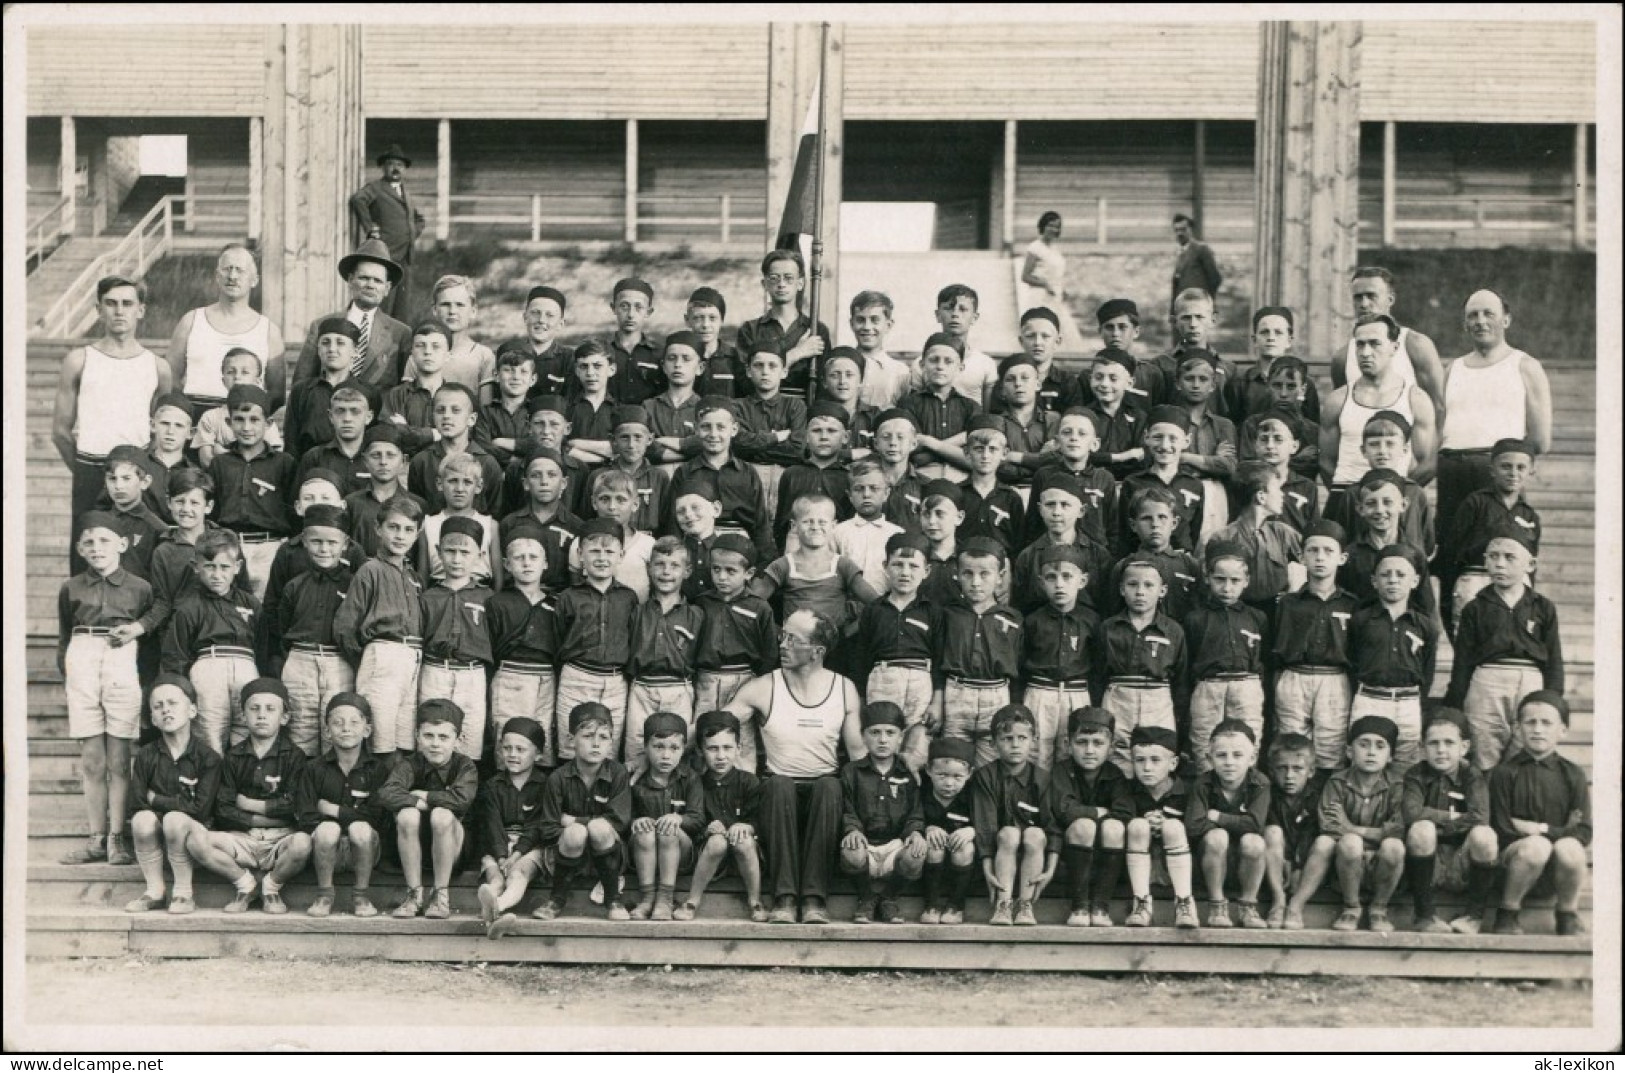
(1054, 592)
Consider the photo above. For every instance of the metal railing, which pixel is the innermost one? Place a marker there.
(149, 240)
(539, 216)
(46, 231)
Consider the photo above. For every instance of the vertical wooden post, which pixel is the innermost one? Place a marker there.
(725, 210)
(536, 217)
(631, 212)
(1199, 176)
(830, 166)
(1307, 166)
(1390, 172)
(442, 181)
(1008, 225)
(792, 71)
(256, 179)
(1100, 221)
(188, 199)
(68, 174)
(1582, 179)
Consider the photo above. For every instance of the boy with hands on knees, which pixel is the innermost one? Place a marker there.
(732, 797)
(586, 810)
(667, 814)
(1229, 806)
(882, 822)
(336, 804)
(1155, 809)
(429, 792)
(509, 806)
(1083, 789)
(1010, 807)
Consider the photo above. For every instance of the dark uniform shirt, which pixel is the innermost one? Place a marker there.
(255, 496)
(1378, 807)
(1058, 392)
(1156, 652)
(1243, 811)
(454, 626)
(1003, 798)
(1355, 576)
(637, 372)
(353, 793)
(188, 783)
(555, 369)
(1180, 572)
(589, 422)
(307, 609)
(1188, 493)
(568, 794)
(664, 642)
(451, 786)
(1222, 639)
(1075, 794)
(1474, 522)
(734, 798)
(649, 484)
(350, 469)
(364, 511)
(1298, 817)
(809, 478)
(1492, 632)
(887, 632)
(1119, 432)
(998, 515)
(681, 796)
(91, 600)
(1247, 394)
(744, 504)
(272, 779)
(722, 372)
(595, 628)
(423, 474)
(558, 535)
(141, 528)
(576, 498)
(1300, 502)
(522, 631)
(204, 620)
(1313, 632)
(385, 603)
(497, 422)
(1455, 802)
(904, 502)
(1137, 801)
(502, 809)
(981, 647)
(937, 417)
(764, 331)
(880, 807)
(760, 420)
(1026, 582)
(414, 402)
(1551, 790)
(1390, 653)
(949, 816)
(736, 634)
(305, 420)
(1060, 646)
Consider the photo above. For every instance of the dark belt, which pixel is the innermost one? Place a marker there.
(520, 667)
(732, 668)
(409, 642)
(659, 680)
(1402, 693)
(1230, 676)
(1305, 668)
(257, 537)
(224, 652)
(451, 664)
(595, 668)
(1456, 452)
(1067, 684)
(316, 649)
(1138, 683)
(906, 664)
(979, 683)
(1519, 663)
(92, 631)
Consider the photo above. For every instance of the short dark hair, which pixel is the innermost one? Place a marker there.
(1184, 218)
(955, 291)
(1390, 325)
(775, 256)
(187, 478)
(824, 632)
(1253, 477)
(1048, 218)
(215, 541)
(464, 390)
(113, 283)
(1374, 272)
(1153, 494)
(867, 299)
(402, 506)
(1291, 744)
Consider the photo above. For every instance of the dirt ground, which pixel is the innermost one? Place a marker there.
(288, 992)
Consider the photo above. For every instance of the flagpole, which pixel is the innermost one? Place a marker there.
(816, 268)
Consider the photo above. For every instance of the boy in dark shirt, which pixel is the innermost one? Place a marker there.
(992, 509)
(732, 797)
(1229, 806)
(254, 485)
(896, 641)
(336, 804)
(1394, 646)
(722, 370)
(1293, 822)
(1540, 807)
(386, 478)
(522, 624)
(1460, 562)
(883, 828)
(1310, 648)
(941, 414)
(215, 637)
(409, 405)
(634, 355)
(665, 637)
(1142, 655)
(504, 424)
(1075, 440)
(126, 484)
(1010, 807)
(1383, 504)
(509, 807)
(739, 489)
(174, 782)
(1152, 515)
(1272, 437)
(546, 485)
(668, 814)
(344, 453)
(429, 793)
(1155, 808)
(1119, 417)
(771, 423)
(1083, 788)
(739, 639)
(1061, 504)
(979, 660)
(1059, 645)
(456, 643)
(950, 831)
(595, 635)
(1445, 805)
(1225, 641)
(1167, 435)
(586, 810)
(313, 669)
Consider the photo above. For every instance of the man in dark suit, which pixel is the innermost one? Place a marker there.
(380, 355)
(383, 210)
(1195, 266)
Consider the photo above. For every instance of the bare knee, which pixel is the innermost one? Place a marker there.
(1275, 841)
(145, 825)
(1422, 839)
(1139, 834)
(362, 834)
(1081, 833)
(601, 834)
(1350, 848)
(1534, 850)
(965, 855)
(1111, 833)
(573, 840)
(644, 840)
(93, 760)
(1391, 852)
(716, 845)
(408, 821)
(443, 821)
(1033, 840)
(1569, 854)
(1009, 838)
(176, 827)
(1252, 847)
(1216, 841)
(1482, 845)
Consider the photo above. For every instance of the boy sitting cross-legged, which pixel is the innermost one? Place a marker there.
(1445, 805)
(1083, 787)
(173, 785)
(586, 810)
(883, 825)
(732, 797)
(1154, 808)
(1229, 805)
(336, 804)
(429, 792)
(510, 806)
(667, 814)
(1010, 805)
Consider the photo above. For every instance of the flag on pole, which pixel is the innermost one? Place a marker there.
(800, 219)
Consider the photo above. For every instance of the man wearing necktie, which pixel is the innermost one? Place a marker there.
(384, 210)
(371, 277)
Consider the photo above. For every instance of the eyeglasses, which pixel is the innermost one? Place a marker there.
(792, 639)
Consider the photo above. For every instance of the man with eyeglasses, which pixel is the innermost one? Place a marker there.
(370, 276)
(205, 335)
(785, 328)
(803, 711)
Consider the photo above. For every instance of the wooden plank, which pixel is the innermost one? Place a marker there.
(196, 69)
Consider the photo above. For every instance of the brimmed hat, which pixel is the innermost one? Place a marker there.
(373, 250)
(393, 153)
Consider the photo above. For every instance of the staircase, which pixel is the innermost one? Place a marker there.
(76, 911)
(62, 268)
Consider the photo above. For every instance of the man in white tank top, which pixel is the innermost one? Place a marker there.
(803, 712)
(105, 390)
(203, 335)
(1491, 393)
(1415, 358)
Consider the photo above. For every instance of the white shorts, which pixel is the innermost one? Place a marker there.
(103, 688)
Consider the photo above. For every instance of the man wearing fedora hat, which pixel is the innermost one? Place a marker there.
(383, 341)
(383, 210)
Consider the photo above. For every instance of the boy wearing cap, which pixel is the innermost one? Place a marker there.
(379, 627)
(739, 639)
(254, 485)
(1142, 653)
(822, 471)
(1155, 809)
(126, 482)
(549, 428)
(1152, 515)
(634, 356)
(254, 831)
(522, 624)
(545, 486)
(216, 637)
(1192, 318)
(696, 509)
(1272, 438)
(665, 637)
(978, 376)
(1273, 547)
(544, 311)
(1010, 811)
(213, 434)
(305, 424)
(317, 488)
(1058, 648)
(1118, 320)
(456, 644)
(1119, 423)
(862, 537)
(336, 805)
(508, 808)
(1166, 437)
(1083, 787)
(1061, 505)
(1075, 442)
(1293, 822)
(1460, 563)
(1029, 428)
(739, 489)
(1361, 827)
(650, 483)
(386, 478)
(168, 451)
(992, 509)
(887, 378)
(458, 480)
(673, 413)
(772, 424)
(1310, 648)
(895, 437)
(595, 618)
(174, 781)
(1382, 506)
(942, 512)
(1226, 643)
(882, 826)
(1445, 806)
(1540, 807)
(731, 801)
(722, 371)
(503, 427)
(312, 668)
(1290, 383)
(1056, 390)
(1229, 806)
(345, 421)
(586, 811)
(409, 405)
(1394, 646)
(979, 654)
(668, 813)
(784, 328)
(99, 615)
(895, 643)
(191, 501)
(590, 409)
(950, 832)
(1385, 444)
(941, 413)
(429, 793)
(1253, 392)
(1507, 645)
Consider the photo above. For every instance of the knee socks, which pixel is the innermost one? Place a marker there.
(1107, 874)
(932, 879)
(1419, 874)
(1079, 866)
(959, 881)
